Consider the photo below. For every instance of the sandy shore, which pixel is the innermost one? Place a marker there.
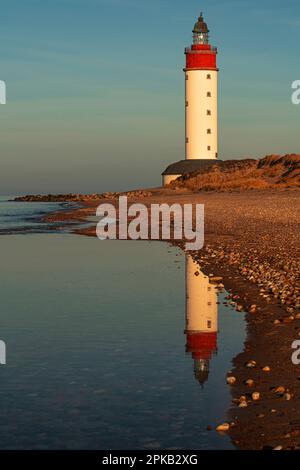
(252, 240)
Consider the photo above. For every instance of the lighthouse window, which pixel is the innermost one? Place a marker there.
(208, 147)
(187, 140)
(209, 131)
(208, 76)
(186, 77)
(208, 323)
(208, 112)
(208, 94)
(186, 103)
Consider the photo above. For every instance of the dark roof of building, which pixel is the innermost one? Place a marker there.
(188, 166)
(200, 26)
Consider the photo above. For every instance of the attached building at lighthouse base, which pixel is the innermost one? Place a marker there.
(183, 167)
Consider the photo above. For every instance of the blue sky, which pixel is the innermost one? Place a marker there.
(95, 88)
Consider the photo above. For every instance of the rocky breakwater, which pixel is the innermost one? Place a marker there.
(57, 197)
(71, 197)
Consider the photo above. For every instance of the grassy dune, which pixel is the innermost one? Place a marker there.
(271, 172)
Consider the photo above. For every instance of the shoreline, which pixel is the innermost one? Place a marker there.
(252, 242)
(39, 219)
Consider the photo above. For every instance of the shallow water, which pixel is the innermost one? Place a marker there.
(96, 349)
(23, 217)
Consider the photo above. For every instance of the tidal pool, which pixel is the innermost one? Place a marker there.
(111, 345)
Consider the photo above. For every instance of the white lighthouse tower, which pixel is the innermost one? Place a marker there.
(201, 106)
(201, 93)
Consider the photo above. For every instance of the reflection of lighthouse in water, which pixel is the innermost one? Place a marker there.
(201, 319)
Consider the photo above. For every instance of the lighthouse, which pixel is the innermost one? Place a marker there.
(201, 106)
(201, 96)
(201, 319)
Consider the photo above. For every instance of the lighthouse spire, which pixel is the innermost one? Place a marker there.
(201, 31)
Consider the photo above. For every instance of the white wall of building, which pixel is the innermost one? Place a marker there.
(199, 143)
(166, 179)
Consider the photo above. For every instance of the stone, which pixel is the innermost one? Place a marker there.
(243, 404)
(279, 389)
(251, 364)
(249, 383)
(289, 319)
(255, 396)
(231, 380)
(223, 427)
(266, 369)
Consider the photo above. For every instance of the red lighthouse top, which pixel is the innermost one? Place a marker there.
(201, 55)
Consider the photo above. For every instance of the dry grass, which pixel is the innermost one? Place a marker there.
(273, 171)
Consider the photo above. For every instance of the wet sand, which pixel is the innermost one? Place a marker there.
(252, 240)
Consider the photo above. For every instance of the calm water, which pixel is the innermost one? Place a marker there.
(104, 349)
(20, 217)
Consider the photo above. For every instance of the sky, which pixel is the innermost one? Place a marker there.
(95, 88)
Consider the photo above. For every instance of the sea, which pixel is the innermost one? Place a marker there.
(25, 217)
(109, 344)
